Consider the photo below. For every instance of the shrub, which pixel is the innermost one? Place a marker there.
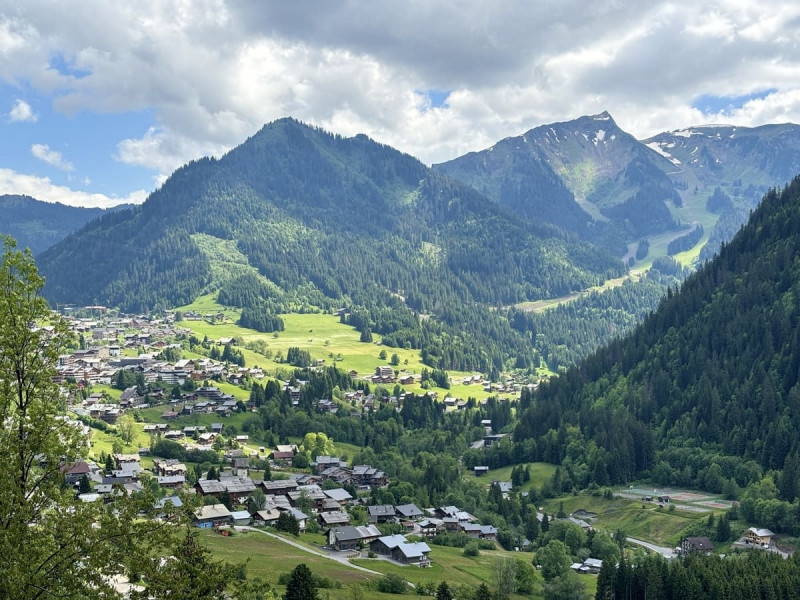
(391, 583)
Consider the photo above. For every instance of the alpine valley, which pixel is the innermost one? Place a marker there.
(630, 311)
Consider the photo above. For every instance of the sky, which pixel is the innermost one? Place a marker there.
(100, 101)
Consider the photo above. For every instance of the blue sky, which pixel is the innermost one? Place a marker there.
(101, 101)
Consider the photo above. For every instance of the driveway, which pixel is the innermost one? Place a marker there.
(665, 552)
(342, 559)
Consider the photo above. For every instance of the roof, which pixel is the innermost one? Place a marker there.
(700, 543)
(174, 500)
(408, 510)
(237, 485)
(335, 516)
(415, 550)
(297, 514)
(392, 541)
(210, 486)
(381, 510)
(212, 511)
(761, 532)
(240, 514)
(339, 494)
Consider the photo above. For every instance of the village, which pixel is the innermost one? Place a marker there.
(248, 485)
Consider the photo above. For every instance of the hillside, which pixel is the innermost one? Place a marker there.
(705, 392)
(586, 175)
(590, 177)
(38, 225)
(296, 218)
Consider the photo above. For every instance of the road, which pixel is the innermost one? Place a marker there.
(332, 556)
(665, 552)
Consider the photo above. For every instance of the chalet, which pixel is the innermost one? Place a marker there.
(412, 553)
(338, 495)
(125, 459)
(350, 538)
(663, 499)
(280, 487)
(166, 467)
(239, 488)
(212, 515)
(299, 516)
(241, 517)
(268, 516)
(384, 374)
(171, 482)
(385, 544)
(325, 462)
(429, 527)
(381, 513)
(481, 470)
(761, 537)
(73, 473)
(409, 512)
(209, 487)
(240, 466)
(589, 566)
(333, 519)
(701, 545)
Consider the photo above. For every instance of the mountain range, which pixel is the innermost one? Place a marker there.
(590, 177)
(38, 225)
(298, 219)
(296, 216)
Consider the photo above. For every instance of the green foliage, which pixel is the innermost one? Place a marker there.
(748, 575)
(554, 559)
(287, 197)
(703, 393)
(685, 242)
(301, 584)
(392, 583)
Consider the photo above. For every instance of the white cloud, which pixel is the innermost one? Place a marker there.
(22, 111)
(51, 157)
(43, 189)
(214, 71)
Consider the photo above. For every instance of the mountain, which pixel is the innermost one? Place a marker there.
(38, 225)
(735, 163)
(296, 217)
(586, 176)
(590, 177)
(705, 393)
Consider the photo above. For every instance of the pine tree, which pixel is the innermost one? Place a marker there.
(443, 592)
(301, 584)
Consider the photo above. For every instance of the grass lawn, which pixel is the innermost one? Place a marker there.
(653, 524)
(267, 558)
(325, 338)
(540, 472)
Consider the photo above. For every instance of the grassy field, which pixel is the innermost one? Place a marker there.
(637, 519)
(325, 338)
(540, 472)
(267, 558)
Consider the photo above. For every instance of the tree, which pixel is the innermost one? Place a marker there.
(482, 593)
(84, 487)
(301, 584)
(554, 559)
(443, 592)
(504, 576)
(51, 544)
(126, 429)
(565, 587)
(188, 573)
(267, 472)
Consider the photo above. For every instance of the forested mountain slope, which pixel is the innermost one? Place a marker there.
(705, 392)
(315, 219)
(586, 175)
(38, 225)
